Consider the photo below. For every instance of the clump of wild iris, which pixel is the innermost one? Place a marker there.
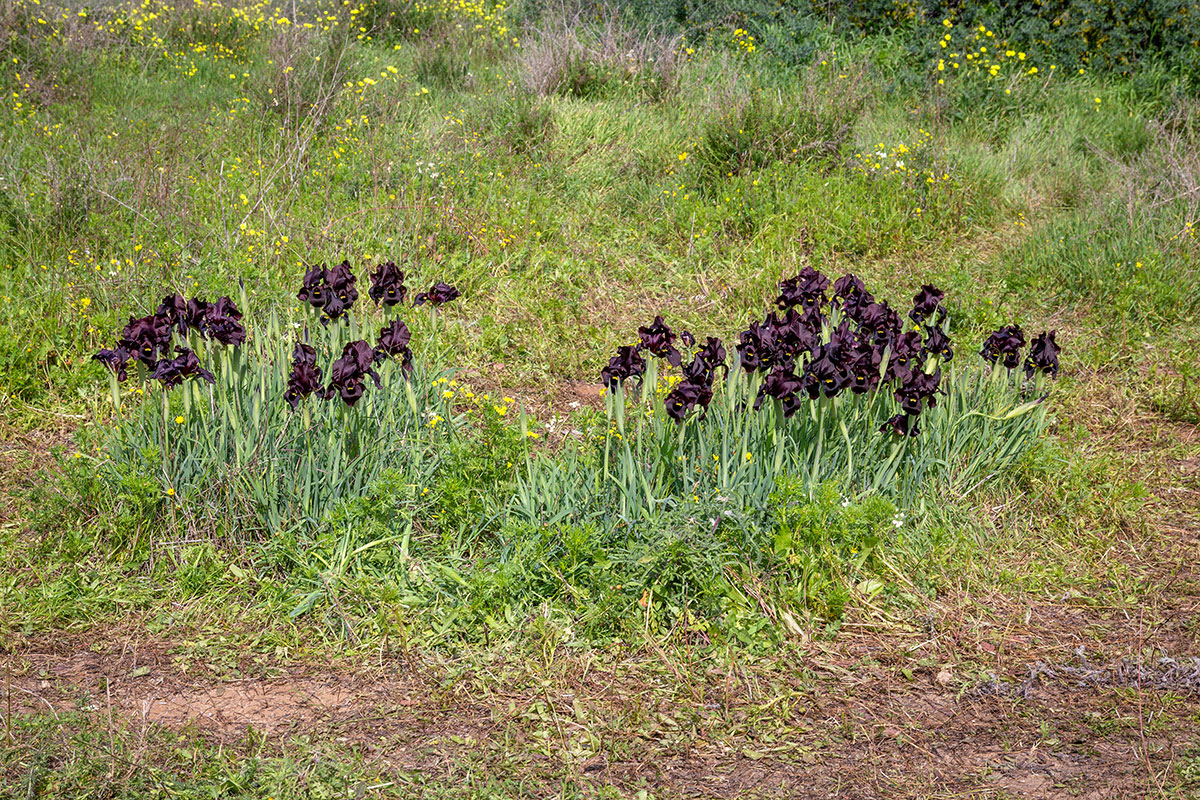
(332, 293)
(834, 385)
(147, 341)
(246, 433)
(826, 340)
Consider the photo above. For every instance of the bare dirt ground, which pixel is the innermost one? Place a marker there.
(1072, 702)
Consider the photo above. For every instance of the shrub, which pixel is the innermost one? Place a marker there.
(572, 57)
(748, 129)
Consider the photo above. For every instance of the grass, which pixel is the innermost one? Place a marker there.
(575, 176)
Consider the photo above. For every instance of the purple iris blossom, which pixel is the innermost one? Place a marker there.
(146, 338)
(659, 340)
(756, 350)
(824, 376)
(937, 343)
(926, 303)
(880, 321)
(313, 289)
(782, 384)
(901, 425)
(862, 364)
(918, 392)
(687, 395)
(438, 294)
(627, 363)
(387, 285)
(173, 308)
(1043, 355)
(222, 323)
(346, 376)
(116, 360)
(905, 357)
(393, 341)
(172, 371)
(806, 290)
(1004, 345)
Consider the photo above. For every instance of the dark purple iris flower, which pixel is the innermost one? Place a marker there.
(387, 285)
(918, 392)
(1043, 355)
(394, 338)
(862, 364)
(173, 308)
(332, 291)
(855, 300)
(627, 363)
(342, 291)
(314, 289)
(305, 378)
(146, 338)
(393, 342)
(438, 294)
(905, 357)
(659, 340)
(824, 375)
(937, 343)
(806, 290)
(223, 323)
(346, 376)
(901, 425)
(696, 388)
(848, 289)
(116, 360)
(1005, 346)
(172, 371)
(880, 321)
(756, 350)
(195, 314)
(926, 303)
(687, 395)
(707, 361)
(304, 353)
(782, 384)
(794, 334)
(841, 341)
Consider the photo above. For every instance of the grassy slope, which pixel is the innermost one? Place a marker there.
(568, 221)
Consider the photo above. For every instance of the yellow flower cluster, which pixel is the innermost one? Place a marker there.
(743, 40)
(897, 160)
(979, 53)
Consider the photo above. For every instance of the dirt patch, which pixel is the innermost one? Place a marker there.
(271, 707)
(855, 718)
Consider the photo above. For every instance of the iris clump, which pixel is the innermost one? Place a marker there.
(148, 340)
(267, 430)
(833, 385)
